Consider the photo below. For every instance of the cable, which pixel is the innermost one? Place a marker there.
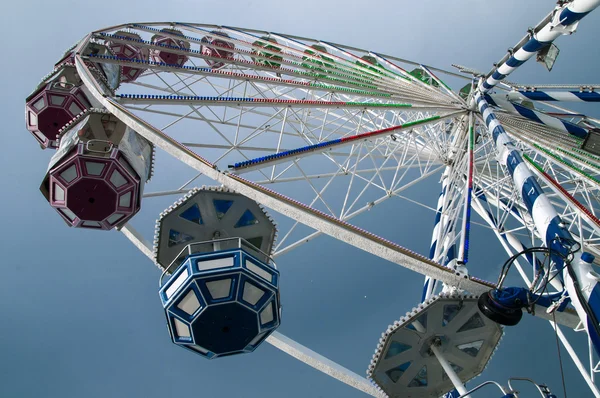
(508, 263)
(548, 252)
(562, 373)
(568, 258)
(544, 287)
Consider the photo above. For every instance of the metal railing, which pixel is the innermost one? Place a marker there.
(215, 245)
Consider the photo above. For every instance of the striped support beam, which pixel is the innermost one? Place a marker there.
(536, 116)
(570, 96)
(430, 283)
(582, 286)
(440, 237)
(544, 215)
(463, 256)
(280, 157)
(564, 21)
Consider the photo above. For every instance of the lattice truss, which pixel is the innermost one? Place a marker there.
(342, 130)
(321, 92)
(344, 180)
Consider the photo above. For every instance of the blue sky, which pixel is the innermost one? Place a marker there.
(80, 311)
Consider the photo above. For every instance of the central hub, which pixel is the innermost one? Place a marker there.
(440, 340)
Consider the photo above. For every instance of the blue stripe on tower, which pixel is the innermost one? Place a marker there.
(489, 101)
(592, 97)
(528, 113)
(430, 283)
(533, 45)
(594, 300)
(557, 236)
(432, 248)
(512, 162)
(496, 133)
(537, 95)
(513, 62)
(425, 288)
(530, 191)
(451, 255)
(593, 336)
(571, 128)
(575, 130)
(567, 17)
(498, 76)
(533, 115)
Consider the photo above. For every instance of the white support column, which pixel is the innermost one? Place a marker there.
(456, 381)
(458, 384)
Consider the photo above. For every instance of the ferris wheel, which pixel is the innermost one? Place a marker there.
(291, 138)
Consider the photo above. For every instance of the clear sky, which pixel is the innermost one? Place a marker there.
(80, 314)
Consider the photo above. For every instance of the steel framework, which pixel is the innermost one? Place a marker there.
(330, 134)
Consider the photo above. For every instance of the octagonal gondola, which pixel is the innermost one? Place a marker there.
(171, 47)
(317, 61)
(52, 105)
(222, 296)
(371, 60)
(61, 95)
(216, 47)
(270, 56)
(96, 178)
(124, 46)
(223, 302)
